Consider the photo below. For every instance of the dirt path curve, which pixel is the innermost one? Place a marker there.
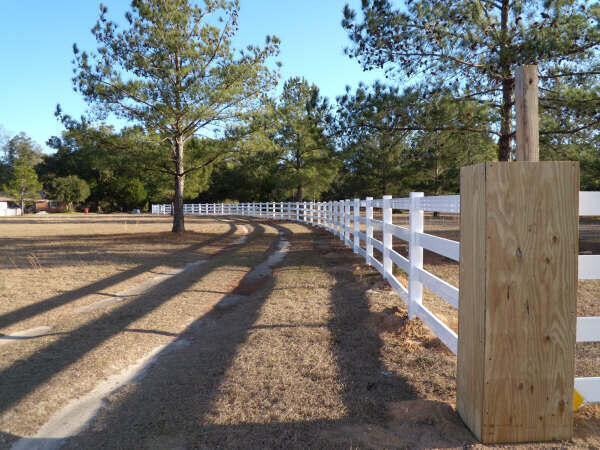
(74, 418)
(318, 354)
(84, 349)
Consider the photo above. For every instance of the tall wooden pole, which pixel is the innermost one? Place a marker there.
(526, 103)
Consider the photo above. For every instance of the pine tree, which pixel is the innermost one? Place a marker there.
(173, 71)
(300, 122)
(472, 47)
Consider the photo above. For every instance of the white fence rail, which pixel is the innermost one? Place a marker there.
(588, 328)
(344, 218)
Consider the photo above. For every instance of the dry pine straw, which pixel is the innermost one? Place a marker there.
(321, 356)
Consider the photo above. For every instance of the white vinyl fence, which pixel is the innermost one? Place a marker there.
(343, 218)
(588, 328)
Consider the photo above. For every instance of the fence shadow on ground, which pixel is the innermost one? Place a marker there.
(78, 249)
(24, 376)
(169, 406)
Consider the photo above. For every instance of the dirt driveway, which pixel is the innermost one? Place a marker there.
(314, 352)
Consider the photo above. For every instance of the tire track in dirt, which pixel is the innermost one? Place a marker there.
(50, 304)
(128, 294)
(27, 375)
(78, 414)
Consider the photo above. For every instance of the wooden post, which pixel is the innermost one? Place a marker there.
(526, 106)
(518, 288)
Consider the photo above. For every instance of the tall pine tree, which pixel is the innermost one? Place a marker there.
(174, 71)
(472, 48)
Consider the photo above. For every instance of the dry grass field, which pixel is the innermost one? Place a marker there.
(320, 354)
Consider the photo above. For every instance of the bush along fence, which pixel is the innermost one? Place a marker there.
(518, 273)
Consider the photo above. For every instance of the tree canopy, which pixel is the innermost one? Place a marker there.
(70, 190)
(300, 134)
(173, 70)
(472, 47)
(23, 183)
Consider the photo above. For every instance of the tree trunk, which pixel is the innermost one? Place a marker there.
(504, 147)
(22, 206)
(178, 220)
(299, 193)
(508, 87)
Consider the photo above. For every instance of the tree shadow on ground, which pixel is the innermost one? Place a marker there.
(168, 408)
(26, 375)
(148, 263)
(59, 250)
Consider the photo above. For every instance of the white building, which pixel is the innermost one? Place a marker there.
(6, 211)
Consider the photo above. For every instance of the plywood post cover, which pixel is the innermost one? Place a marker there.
(518, 286)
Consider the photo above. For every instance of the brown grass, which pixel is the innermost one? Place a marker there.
(41, 375)
(320, 355)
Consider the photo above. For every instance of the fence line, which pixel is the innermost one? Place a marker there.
(588, 328)
(343, 218)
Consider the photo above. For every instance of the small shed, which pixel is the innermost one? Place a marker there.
(8, 206)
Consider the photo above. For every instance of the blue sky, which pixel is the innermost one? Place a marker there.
(36, 39)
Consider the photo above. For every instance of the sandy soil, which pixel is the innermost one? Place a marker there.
(318, 355)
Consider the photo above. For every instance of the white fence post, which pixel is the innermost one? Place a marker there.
(341, 219)
(334, 218)
(369, 231)
(356, 224)
(347, 222)
(415, 254)
(387, 236)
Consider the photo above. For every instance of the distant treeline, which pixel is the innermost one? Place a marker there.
(209, 127)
